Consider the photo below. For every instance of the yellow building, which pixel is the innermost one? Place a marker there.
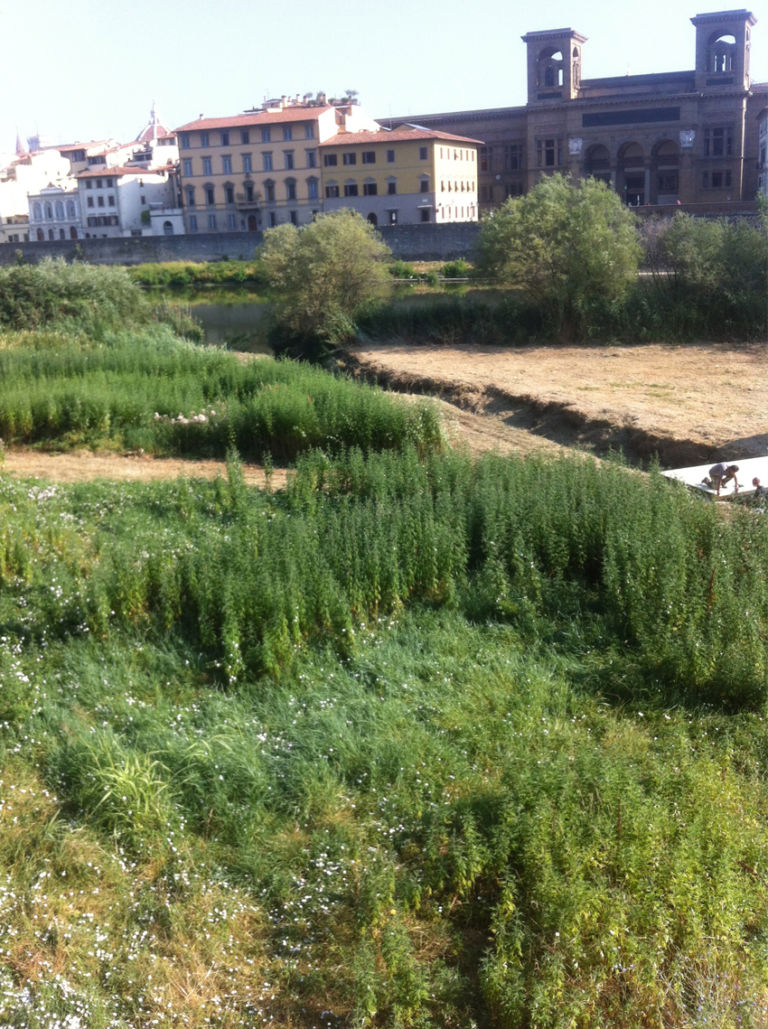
(261, 168)
(401, 176)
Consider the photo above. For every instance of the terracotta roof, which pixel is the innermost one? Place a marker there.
(256, 118)
(105, 170)
(399, 135)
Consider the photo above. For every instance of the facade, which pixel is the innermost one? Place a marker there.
(24, 176)
(260, 168)
(689, 137)
(116, 202)
(403, 176)
(54, 213)
(762, 151)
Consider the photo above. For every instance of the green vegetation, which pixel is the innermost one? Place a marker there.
(180, 274)
(405, 745)
(323, 276)
(417, 742)
(571, 247)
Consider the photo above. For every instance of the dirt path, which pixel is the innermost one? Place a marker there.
(688, 404)
(84, 465)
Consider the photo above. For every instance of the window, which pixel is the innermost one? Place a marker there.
(311, 158)
(717, 179)
(193, 223)
(186, 166)
(312, 189)
(207, 168)
(226, 164)
(249, 192)
(231, 221)
(425, 214)
(204, 140)
(71, 212)
(392, 217)
(309, 132)
(209, 197)
(330, 160)
(424, 186)
(266, 134)
(294, 218)
(245, 136)
(225, 138)
(331, 190)
(369, 157)
(269, 191)
(666, 181)
(350, 189)
(290, 189)
(288, 159)
(99, 203)
(272, 219)
(89, 202)
(111, 200)
(89, 184)
(391, 187)
(390, 156)
(99, 183)
(212, 221)
(110, 183)
(349, 158)
(718, 141)
(369, 189)
(247, 164)
(287, 132)
(513, 157)
(184, 140)
(229, 193)
(266, 160)
(423, 154)
(549, 153)
(190, 191)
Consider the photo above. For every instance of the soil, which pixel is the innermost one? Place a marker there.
(687, 405)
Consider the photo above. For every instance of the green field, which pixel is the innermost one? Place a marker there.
(419, 741)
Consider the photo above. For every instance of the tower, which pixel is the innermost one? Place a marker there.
(554, 64)
(722, 49)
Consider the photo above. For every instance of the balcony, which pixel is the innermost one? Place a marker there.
(244, 202)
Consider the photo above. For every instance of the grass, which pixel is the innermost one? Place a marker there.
(417, 742)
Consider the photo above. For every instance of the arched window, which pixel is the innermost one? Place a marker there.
(60, 210)
(167, 228)
(721, 53)
(550, 68)
(72, 232)
(62, 234)
(269, 191)
(71, 212)
(49, 212)
(290, 189)
(210, 200)
(37, 213)
(229, 193)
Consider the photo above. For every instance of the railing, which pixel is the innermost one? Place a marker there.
(248, 203)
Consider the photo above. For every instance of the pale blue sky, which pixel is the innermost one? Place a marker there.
(91, 69)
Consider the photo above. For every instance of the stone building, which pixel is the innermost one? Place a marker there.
(688, 137)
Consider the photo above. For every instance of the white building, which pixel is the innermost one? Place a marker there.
(54, 213)
(23, 176)
(115, 201)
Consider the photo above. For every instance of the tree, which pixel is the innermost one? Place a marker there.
(322, 276)
(571, 247)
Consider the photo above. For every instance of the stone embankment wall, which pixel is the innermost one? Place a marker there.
(408, 243)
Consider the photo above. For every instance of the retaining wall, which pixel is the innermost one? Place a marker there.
(408, 243)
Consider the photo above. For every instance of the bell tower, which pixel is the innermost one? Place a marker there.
(723, 41)
(554, 64)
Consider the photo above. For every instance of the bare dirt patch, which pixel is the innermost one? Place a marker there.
(83, 465)
(686, 404)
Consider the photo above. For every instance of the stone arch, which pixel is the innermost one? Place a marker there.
(631, 174)
(597, 162)
(550, 68)
(72, 232)
(665, 171)
(167, 228)
(721, 53)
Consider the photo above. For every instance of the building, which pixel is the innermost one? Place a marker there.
(54, 213)
(762, 158)
(27, 175)
(663, 138)
(402, 176)
(258, 169)
(117, 202)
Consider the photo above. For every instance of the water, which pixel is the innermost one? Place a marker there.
(234, 326)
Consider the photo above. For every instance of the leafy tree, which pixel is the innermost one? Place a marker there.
(571, 247)
(322, 277)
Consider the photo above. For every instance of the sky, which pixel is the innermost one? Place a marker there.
(91, 70)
